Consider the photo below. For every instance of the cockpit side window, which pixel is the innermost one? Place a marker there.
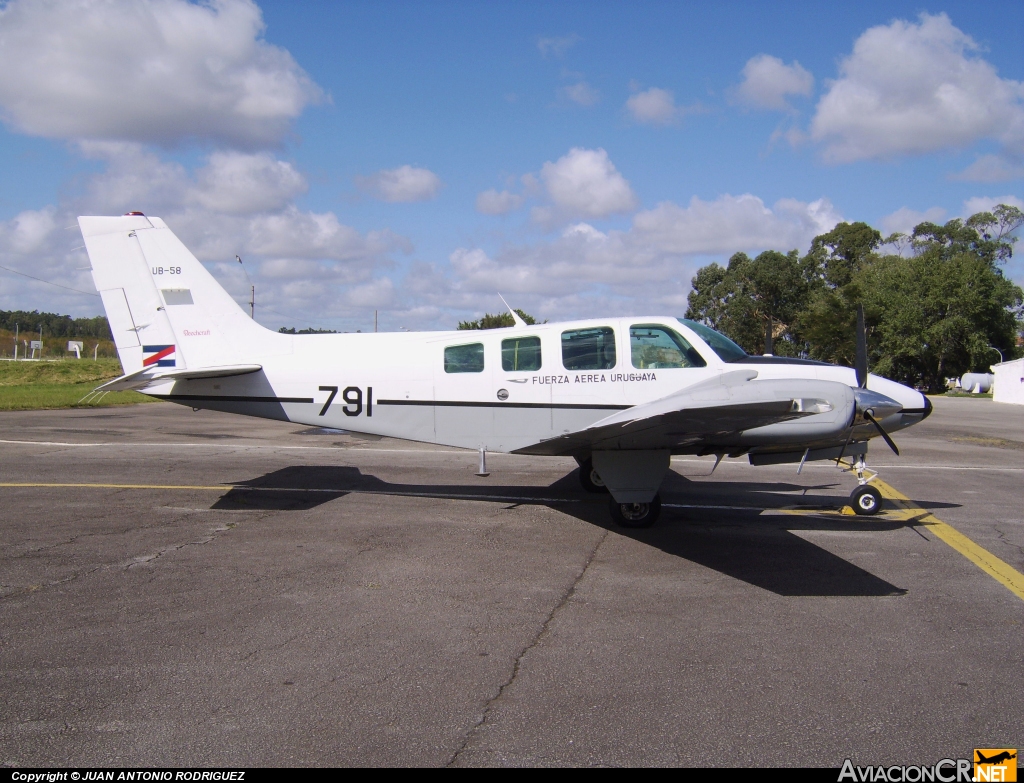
(726, 349)
(520, 354)
(589, 349)
(464, 358)
(656, 347)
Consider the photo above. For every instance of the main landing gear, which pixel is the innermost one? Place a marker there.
(623, 514)
(635, 514)
(865, 499)
(589, 479)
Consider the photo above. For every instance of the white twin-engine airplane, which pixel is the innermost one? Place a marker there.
(620, 395)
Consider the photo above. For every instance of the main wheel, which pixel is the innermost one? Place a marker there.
(866, 500)
(589, 479)
(636, 514)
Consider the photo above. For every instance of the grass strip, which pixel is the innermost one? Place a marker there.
(43, 396)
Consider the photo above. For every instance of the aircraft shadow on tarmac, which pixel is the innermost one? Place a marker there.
(720, 526)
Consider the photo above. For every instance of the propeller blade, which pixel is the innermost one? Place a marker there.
(883, 433)
(862, 350)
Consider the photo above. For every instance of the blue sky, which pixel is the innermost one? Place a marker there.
(418, 158)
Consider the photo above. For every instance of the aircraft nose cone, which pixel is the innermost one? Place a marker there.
(880, 406)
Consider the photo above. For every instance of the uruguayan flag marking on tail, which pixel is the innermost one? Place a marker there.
(158, 356)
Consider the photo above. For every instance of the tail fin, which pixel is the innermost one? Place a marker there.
(164, 308)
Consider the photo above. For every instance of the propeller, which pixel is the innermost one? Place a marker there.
(883, 433)
(861, 363)
(868, 403)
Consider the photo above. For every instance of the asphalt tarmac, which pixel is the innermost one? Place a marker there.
(195, 589)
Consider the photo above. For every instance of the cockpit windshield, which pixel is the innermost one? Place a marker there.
(726, 349)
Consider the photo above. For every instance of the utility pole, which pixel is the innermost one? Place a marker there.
(252, 290)
(15, 342)
(374, 320)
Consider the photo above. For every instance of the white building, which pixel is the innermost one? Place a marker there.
(1009, 382)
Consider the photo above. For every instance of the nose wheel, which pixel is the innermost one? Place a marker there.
(865, 500)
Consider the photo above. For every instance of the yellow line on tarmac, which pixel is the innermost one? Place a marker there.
(1002, 572)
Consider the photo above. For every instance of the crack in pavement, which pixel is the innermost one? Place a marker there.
(1003, 539)
(136, 561)
(562, 601)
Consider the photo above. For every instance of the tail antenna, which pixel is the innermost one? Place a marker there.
(515, 316)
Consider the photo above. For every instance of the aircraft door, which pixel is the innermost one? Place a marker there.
(522, 392)
(463, 392)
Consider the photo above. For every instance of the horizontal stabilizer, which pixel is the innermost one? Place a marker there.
(148, 375)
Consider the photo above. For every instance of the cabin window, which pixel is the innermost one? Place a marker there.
(464, 358)
(520, 354)
(588, 349)
(654, 347)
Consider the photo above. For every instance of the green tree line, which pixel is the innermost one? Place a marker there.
(54, 325)
(937, 307)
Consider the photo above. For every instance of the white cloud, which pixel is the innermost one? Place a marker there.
(584, 183)
(493, 202)
(581, 93)
(987, 203)
(404, 184)
(585, 271)
(163, 72)
(293, 233)
(654, 106)
(28, 231)
(306, 264)
(991, 168)
(557, 46)
(379, 292)
(903, 220)
(237, 183)
(768, 81)
(731, 223)
(916, 88)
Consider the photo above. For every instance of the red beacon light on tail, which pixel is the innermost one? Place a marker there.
(134, 214)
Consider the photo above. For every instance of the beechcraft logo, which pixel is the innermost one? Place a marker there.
(995, 764)
(158, 356)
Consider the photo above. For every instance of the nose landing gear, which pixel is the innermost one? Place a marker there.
(865, 500)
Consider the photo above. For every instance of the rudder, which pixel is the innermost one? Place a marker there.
(162, 304)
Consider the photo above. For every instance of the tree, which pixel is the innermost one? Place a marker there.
(940, 312)
(936, 313)
(987, 235)
(54, 325)
(499, 321)
(751, 296)
(835, 257)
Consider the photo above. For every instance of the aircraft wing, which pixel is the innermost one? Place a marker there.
(148, 375)
(713, 412)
